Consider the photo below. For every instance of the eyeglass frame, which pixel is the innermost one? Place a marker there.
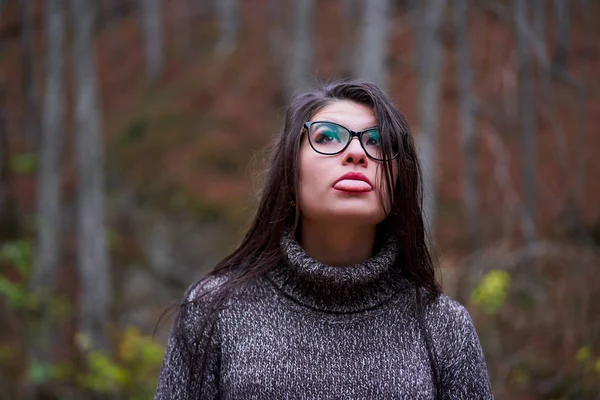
(353, 134)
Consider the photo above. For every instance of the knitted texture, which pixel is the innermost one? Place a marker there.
(313, 331)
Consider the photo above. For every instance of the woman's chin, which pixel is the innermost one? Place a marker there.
(353, 209)
(348, 214)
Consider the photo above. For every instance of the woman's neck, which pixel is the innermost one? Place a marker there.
(337, 244)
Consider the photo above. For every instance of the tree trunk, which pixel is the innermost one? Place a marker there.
(429, 63)
(93, 258)
(31, 96)
(527, 119)
(580, 149)
(539, 23)
(113, 16)
(302, 59)
(48, 198)
(348, 26)
(10, 227)
(276, 35)
(539, 19)
(562, 14)
(204, 9)
(370, 59)
(228, 22)
(153, 37)
(468, 137)
(183, 15)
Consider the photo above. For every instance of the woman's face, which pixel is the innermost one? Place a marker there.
(323, 196)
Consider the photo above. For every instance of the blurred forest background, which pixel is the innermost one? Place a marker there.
(133, 134)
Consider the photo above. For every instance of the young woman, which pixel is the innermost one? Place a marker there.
(332, 292)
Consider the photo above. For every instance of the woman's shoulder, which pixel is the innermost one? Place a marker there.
(206, 287)
(458, 349)
(443, 306)
(451, 324)
(201, 304)
(203, 297)
(447, 316)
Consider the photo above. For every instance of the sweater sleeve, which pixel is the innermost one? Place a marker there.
(462, 365)
(190, 368)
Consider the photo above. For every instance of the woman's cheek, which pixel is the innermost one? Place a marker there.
(310, 201)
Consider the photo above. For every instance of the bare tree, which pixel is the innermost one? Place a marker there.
(276, 33)
(9, 215)
(112, 15)
(48, 198)
(582, 126)
(562, 14)
(539, 19)
(228, 21)
(93, 258)
(31, 96)
(302, 58)
(429, 16)
(539, 24)
(349, 14)
(153, 37)
(527, 120)
(5, 198)
(184, 15)
(203, 9)
(468, 138)
(372, 53)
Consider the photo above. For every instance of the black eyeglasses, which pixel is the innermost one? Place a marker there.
(329, 138)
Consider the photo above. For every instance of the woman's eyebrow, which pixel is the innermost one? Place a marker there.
(374, 125)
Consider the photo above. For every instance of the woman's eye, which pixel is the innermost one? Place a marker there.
(373, 139)
(326, 137)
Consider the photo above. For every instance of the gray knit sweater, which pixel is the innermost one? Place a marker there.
(313, 331)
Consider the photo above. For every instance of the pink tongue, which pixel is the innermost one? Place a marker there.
(353, 185)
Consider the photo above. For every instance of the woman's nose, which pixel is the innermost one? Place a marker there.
(354, 153)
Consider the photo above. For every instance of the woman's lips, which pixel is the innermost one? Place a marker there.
(352, 185)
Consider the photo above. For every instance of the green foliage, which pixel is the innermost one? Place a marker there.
(519, 376)
(227, 165)
(128, 374)
(136, 130)
(142, 358)
(103, 375)
(584, 354)
(587, 361)
(113, 239)
(39, 372)
(23, 163)
(583, 381)
(15, 294)
(18, 255)
(7, 353)
(490, 293)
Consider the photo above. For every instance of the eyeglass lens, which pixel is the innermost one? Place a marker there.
(330, 138)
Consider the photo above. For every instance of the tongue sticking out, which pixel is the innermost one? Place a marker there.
(353, 185)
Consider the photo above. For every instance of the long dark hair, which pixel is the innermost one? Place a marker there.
(260, 249)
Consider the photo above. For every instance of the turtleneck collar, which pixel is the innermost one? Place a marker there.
(348, 289)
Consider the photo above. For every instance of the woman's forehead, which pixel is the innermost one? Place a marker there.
(354, 116)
